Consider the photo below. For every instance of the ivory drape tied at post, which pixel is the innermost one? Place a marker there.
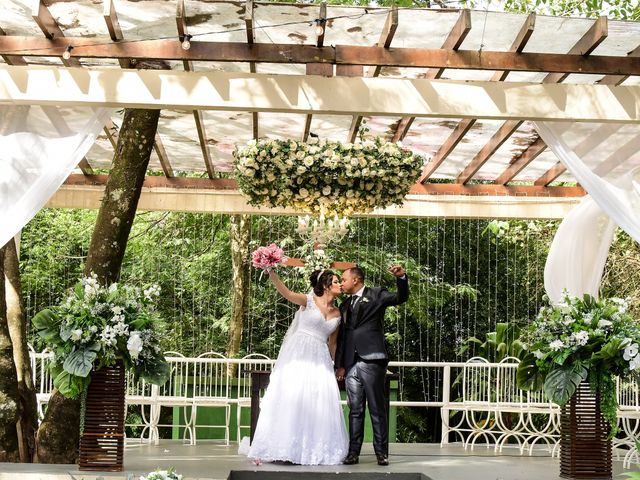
(605, 159)
(39, 147)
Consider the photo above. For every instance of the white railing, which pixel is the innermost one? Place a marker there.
(490, 409)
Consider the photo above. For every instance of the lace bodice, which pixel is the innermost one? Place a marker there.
(312, 322)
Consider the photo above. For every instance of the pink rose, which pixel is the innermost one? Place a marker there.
(268, 257)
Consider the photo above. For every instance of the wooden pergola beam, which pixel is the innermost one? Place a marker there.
(550, 175)
(249, 26)
(587, 44)
(530, 154)
(338, 55)
(557, 170)
(225, 184)
(113, 26)
(596, 34)
(453, 42)
(317, 68)
(386, 37)
(465, 125)
(440, 204)
(300, 94)
(198, 117)
(51, 29)
(326, 70)
(110, 16)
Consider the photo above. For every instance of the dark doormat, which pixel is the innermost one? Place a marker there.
(262, 475)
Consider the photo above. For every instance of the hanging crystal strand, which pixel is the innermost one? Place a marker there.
(404, 307)
(495, 291)
(385, 266)
(506, 280)
(475, 305)
(469, 224)
(443, 256)
(419, 282)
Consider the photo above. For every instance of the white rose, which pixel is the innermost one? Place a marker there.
(304, 193)
(630, 351)
(326, 190)
(76, 335)
(134, 344)
(308, 160)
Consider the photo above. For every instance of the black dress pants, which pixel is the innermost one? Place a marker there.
(365, 385)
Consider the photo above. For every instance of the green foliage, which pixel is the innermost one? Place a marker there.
(463, 282)
(96, 325)
(579, 338)
(616, 9)
(497, 345)
(560, 384)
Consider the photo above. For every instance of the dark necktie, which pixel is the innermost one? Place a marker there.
(354, 302)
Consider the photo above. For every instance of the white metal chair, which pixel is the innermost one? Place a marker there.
(478, 385)
(174, 393)
(211, 388)
(253, 361)
(510, 404)
(142, 394)
(42, 381)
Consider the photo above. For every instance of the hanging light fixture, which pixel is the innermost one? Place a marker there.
(67, 52)
(323, 230)
(319, 29)
(186, 42)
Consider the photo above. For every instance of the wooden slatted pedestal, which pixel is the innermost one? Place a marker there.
(102, 442)
(585, 451)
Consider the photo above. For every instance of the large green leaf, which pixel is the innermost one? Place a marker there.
(69, 385)
(156, 371)
(47, 323)
(561, 383)
(528, 375)
(80, 362)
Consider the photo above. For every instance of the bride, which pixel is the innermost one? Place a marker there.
(301, 418)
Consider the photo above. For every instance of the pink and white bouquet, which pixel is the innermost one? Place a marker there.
(268, 257)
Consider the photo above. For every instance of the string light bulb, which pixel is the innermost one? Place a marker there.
(186, 42)
(320, 27)
(67, 52)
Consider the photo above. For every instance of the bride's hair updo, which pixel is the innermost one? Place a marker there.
(320, 281)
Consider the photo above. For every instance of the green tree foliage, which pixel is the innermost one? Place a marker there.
(466, 277)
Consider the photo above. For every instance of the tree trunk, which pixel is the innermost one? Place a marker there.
(104, 258)
(118, 208)
(240, 235)
(28, 421)
(9, 397)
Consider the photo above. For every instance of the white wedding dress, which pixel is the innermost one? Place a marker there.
(301, 418)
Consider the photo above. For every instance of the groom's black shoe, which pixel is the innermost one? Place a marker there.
(351, 459)
(382, 459)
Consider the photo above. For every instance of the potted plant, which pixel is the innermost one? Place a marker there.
(575, 348)
(96, 333)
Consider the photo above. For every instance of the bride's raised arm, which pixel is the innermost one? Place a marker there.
(297, 298)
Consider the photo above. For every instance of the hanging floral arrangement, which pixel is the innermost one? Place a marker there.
(329, 177)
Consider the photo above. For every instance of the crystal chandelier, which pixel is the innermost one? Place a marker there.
(322, 230)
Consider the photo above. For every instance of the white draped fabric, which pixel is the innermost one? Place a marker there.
(605, 160)
(39, 147)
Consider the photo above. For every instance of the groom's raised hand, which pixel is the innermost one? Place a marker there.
(397, 271)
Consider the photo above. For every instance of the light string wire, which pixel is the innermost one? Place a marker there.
(176, 37)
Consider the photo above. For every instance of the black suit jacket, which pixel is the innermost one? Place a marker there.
(362, 332)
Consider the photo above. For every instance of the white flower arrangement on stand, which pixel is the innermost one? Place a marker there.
(95, 326)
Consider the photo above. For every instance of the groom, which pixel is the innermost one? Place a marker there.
(361, 357)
